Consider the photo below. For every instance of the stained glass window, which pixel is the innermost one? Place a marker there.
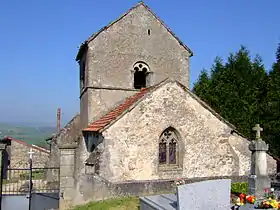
(172, 152)
(162, 153)
(168, 147)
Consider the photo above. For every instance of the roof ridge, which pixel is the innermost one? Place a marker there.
(205, 105)
(117, 110)
(27, 144)
(55, 135)
(121, 108)
(129, 103)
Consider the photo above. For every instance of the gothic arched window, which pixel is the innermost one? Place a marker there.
(168, 147)
(141, 71)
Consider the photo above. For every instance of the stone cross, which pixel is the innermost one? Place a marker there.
(258, 179)
(258, 130)
(31, 153)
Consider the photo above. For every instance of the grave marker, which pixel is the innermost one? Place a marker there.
(212, 194)
(258, 178)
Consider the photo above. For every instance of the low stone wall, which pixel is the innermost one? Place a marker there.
(164, 186)
(89, 184)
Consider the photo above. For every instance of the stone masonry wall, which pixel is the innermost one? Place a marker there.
(19, 155)
(112, 54)
(131, 151)
(67, 135)
(89, 184)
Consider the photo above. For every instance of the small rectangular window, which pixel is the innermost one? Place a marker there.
(82, 74)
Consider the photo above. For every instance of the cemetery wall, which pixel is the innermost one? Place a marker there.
(87, 191)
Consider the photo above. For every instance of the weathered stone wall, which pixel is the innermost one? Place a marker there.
(67, 135)
(111, 55)
(131, 151)
(89, 184)
(100, 101)
(19, 155)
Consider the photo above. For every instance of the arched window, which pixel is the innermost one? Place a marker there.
(141, 70)
(168, 147)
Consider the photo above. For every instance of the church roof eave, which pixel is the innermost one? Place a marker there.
(82, 47)
(129, 103)
(81, 51)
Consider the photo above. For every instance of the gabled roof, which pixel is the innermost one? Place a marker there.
(84, 45)
(10, 139)
(116, 113)
(64, 130)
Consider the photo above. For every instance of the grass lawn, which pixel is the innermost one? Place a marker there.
(132, 203)
(126, 203)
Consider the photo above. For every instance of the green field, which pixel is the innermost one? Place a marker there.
(29, 134)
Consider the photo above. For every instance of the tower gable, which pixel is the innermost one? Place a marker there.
(135, 51)
(137, 36)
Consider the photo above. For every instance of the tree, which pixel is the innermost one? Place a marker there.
(272, 108)
(202, 87)
(235, 89)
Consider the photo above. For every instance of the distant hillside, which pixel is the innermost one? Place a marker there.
(29, 134)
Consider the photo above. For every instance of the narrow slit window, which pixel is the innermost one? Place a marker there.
(82, 74)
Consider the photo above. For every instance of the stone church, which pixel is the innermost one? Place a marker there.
(140, 127)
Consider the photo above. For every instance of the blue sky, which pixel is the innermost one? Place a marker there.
(40, 38)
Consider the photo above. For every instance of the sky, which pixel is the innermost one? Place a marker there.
(40, 38)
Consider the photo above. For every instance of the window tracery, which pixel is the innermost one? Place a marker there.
(168, 147)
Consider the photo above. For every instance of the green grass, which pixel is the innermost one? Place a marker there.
(239, 187)
(36, 175)
(125, 203)
(132, 203)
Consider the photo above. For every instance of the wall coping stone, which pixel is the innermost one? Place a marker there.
(67, 146)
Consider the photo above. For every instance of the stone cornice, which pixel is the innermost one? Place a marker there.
(67, 146)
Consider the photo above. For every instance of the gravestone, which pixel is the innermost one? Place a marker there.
(258, 178)
(212, 194)
(159, 202)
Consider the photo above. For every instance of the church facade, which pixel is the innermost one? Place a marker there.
(138, 121)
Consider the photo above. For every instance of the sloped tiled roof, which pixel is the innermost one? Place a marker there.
(84, 45)
(117, 111)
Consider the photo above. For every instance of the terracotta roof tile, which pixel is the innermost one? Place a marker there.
(116, 112)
